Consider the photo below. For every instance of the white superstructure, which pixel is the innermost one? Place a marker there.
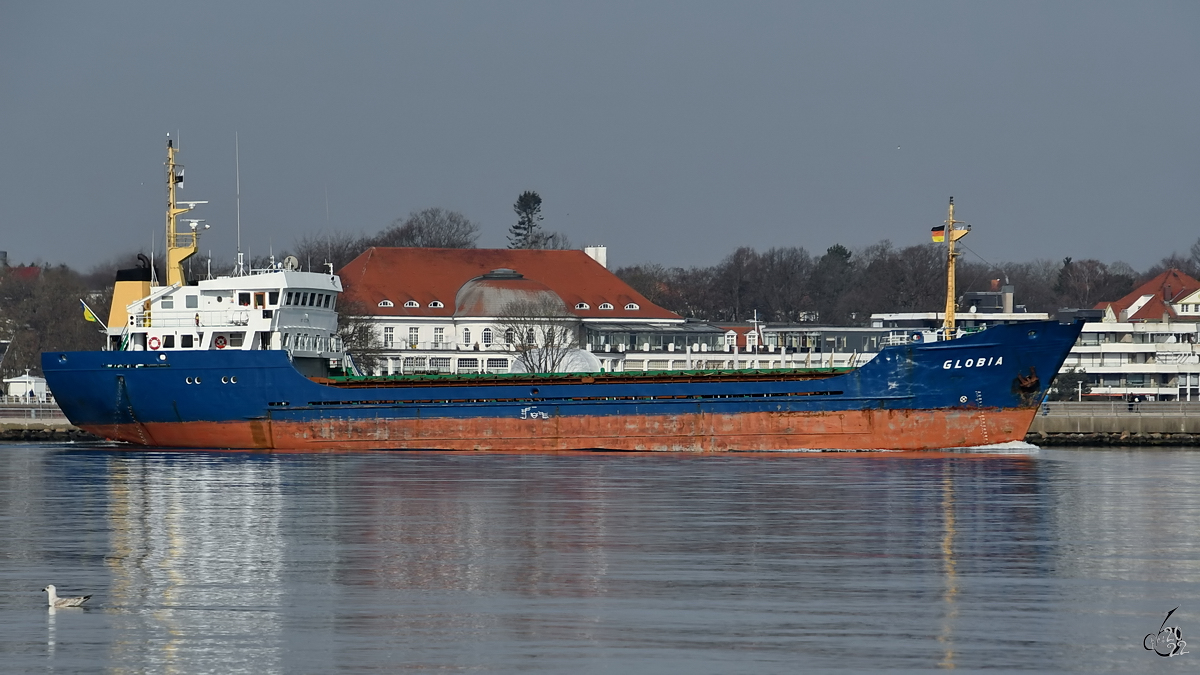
(267, 309)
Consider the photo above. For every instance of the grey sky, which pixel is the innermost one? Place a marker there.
(672, 132)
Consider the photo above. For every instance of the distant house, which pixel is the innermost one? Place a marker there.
(1170, 296)
(27, 387)
(1145, 344)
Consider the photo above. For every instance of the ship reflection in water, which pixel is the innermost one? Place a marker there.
(595, 563)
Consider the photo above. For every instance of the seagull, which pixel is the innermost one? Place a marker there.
(56, 601)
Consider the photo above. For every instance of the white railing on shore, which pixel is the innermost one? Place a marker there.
(28, 412)
(1120, 408)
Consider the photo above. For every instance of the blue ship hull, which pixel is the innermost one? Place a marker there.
(980, 389)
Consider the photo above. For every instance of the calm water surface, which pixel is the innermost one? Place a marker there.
(596, 563)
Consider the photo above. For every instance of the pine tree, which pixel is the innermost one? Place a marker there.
(529, 220)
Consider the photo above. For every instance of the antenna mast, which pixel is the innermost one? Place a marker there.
(180, 245)
(953, 234)
(237, 164)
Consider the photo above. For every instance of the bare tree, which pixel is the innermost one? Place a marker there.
(40, 312)
(430, 228)
(339, 248)
(358, 334)
(543, 333)
(548, 241)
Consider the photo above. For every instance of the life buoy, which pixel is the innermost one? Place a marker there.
(220, 342)
(153, 342)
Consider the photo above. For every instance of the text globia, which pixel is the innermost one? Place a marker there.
(980, 362)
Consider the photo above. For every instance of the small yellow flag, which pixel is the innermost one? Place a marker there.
(87, 313)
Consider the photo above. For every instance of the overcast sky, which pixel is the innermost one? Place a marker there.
(672, 132)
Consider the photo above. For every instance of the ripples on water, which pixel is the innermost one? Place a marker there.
(596, 563)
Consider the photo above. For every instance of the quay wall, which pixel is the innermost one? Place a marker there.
(37, 422)
(1174, 423)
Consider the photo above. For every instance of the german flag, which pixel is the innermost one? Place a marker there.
(939, 233)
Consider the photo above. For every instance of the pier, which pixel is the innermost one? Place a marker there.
(1174, 423)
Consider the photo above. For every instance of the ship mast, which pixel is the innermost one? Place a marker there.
(180, 245)
(952, 235)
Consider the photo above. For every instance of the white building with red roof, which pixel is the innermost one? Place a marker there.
(1146, 343)
(441, 309)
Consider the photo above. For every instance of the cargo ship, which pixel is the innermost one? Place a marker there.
(253, 361)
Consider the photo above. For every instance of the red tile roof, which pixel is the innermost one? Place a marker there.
(426, 275)
(741, 333)
(1165, 288)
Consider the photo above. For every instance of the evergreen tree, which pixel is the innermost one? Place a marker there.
(529, 221)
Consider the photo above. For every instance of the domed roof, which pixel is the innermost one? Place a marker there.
(489, 294)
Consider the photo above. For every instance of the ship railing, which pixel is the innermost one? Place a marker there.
(1120, 408)
(199, 319)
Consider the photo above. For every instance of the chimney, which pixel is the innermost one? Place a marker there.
(598, 253)
(1008, 298)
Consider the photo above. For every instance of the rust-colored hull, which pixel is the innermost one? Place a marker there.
(839, 430)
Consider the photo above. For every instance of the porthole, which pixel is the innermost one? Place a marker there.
(224, 380)
(1032, 334)
(162, 357)
(233, 379)
(197, 381)
(534, 391)
(187, 380)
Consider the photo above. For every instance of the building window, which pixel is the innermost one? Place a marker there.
(466, 336)
(167, 303)
(487, 337)
(441, 365)
(386, 303)
(731, 338)
(468, 365)
(414, 337)
(606, 305)
(497, 365)
(632, 307)
(529, 338)
(244, 299)
(185, 341)
(412, 303)
(168, 342)
(439, 336)
(582, 305)
(436, 304)
(191, 301)
(389, 336)
(508, 336)
(272, 298)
